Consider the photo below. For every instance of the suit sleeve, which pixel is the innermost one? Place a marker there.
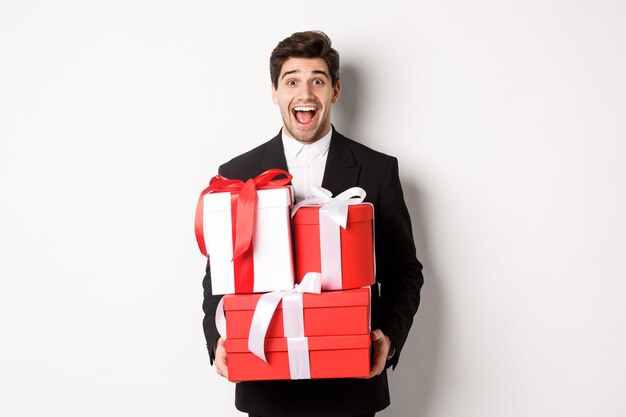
(399, 273)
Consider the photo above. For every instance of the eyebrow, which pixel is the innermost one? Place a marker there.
(324, 73)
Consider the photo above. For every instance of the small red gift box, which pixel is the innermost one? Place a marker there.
(357, 247)
(336, 328)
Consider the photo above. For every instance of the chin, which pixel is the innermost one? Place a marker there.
(310, 135)
(305, 138)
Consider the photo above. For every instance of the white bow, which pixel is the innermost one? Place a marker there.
(293, 323)
(337, 207)
(266, 306)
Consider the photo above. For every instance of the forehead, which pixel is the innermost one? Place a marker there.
(304, 66)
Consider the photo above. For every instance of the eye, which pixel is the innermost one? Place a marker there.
(318, 82)
(291, 82)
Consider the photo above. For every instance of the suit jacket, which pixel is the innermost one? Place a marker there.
(395, 296)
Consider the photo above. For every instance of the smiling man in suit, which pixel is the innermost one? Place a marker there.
(304, 71)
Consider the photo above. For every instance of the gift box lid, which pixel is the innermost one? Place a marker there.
(356, 213)
(355, 297)
(273, 197)
(279, 344)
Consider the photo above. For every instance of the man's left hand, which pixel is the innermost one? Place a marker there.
(381, 344)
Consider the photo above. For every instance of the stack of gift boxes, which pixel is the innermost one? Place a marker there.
(296, 279)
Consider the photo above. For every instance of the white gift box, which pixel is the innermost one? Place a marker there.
(271, 241)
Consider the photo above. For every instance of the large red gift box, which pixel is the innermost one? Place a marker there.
(329, 356)
(336, 324)
(357, 246)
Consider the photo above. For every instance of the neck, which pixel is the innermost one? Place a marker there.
(309, 142)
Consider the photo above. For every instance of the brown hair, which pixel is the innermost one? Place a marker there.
(311, 44)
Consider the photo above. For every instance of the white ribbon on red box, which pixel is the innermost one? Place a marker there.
(333, 214)
(293, 324)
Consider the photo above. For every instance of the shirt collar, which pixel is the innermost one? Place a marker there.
(293, 147)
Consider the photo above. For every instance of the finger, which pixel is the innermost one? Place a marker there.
(222, 368)
(378, 361)
(221, 359)
(377, 367)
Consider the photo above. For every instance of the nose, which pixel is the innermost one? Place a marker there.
(305, 92)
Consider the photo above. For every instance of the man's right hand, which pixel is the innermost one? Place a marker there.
(221, 361)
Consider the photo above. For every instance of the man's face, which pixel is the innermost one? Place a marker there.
(304, 93)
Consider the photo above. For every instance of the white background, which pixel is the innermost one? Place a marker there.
(509, 121)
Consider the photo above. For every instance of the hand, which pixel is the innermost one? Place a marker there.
(381, 344)
(221, 361)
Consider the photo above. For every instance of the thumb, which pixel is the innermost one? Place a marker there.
(375, 336)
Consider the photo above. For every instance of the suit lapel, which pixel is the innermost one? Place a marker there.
(341, 171)
(274, 155)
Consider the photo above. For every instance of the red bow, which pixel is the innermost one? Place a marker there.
(246, 205)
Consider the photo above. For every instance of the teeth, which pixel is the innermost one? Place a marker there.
(304, 109)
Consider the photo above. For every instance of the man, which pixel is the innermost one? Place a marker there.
(304, 70)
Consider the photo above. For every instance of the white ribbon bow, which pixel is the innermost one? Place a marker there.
(332, 215)
(293, 324)
(337, 207)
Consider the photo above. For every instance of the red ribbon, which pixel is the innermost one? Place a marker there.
(243, 210)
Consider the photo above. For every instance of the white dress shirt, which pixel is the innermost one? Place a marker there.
(306, 163)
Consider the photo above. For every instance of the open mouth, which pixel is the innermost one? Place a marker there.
(304, 115)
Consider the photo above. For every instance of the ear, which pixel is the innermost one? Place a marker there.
(274, 94)
(336, 92)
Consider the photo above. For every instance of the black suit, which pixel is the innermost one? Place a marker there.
(398, 272)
